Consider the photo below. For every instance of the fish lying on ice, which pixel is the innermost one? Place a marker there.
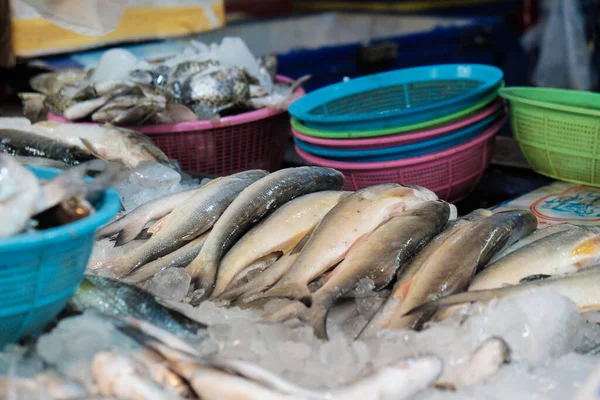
(535, 236)
(280, 232)
(117, 299)
(450, 266)
(352, 219)
(377, 257)
(559, 253)
(130, 225)
(580, 287)
(190, 219)
(255, 202)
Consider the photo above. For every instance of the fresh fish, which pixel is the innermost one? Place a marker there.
(118, 375)
(377, 257)
(52, 82)
(580, 287)
(84, 108)
(159, 372)
(173, 113)
(43, 385)
(451, 265)
(352, 219)
(106, 142)
(130, 225)
(262, 282)
(19, 195)
(57, 103)
(559, 253)
(253, 270)
(33, 106)
(222, 379)
(280, 232)
(190, 219)
(184, 70)
(177, 259)
(535, 236)
(22, 143)
(117, 299)
(485, 361)
(256, 201)
(218, 88)
(41, 162)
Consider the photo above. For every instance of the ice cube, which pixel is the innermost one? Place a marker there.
(171, 284)
(114, 64)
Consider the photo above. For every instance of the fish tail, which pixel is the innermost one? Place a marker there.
(296, 309)
(203, 279)
(289, 290)
(130, 232)
(316, 316)
(456, 299)
(112, 228)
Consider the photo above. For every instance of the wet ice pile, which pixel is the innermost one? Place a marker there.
(542, 329)
(150, 181)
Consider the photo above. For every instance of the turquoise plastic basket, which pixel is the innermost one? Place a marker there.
(39, 272)
(397, 98)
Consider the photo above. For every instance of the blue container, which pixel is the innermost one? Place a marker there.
(396, 98)
(40, 272)
(405, 151)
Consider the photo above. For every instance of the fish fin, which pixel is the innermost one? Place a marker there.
(290, 290)
(90, 146)
(130, 232)
(143, 235)
(300, 245)
(316, 316)
(290, 311)
(532, 278)
(203, 276)
(455, 299)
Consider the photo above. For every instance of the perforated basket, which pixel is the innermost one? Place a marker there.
(252, 140)
(397, 98)
(39, 272)
(451, 174)
(558, 131)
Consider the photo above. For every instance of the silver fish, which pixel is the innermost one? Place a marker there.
(352, 219)
(190, 219)
(52, 82)
(377, 257)
(450, 268)
(130, 225)
(256, 201)
(559, 253)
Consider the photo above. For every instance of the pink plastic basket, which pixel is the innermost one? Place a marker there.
(252, 140)
(451, 174)
(403, 138)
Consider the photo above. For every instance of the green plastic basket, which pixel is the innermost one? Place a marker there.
(558, 131)
(298, 126)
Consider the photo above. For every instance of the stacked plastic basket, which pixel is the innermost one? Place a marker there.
(430, 126)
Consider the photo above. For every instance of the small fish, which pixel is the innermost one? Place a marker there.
(377, 257)
(255, 202)
(52, 82)
(559, 253)
(57, 103)
(184, 70)
(22, 143)
(391, 309)
(82, 109)
(190, 219)
(350, 221)
(177, 259)
(33, 106)
(535, 236)
(485, 361)
(580, 287)
(106, 142)
(173, 113)
(262, 282)
(450, 267)
(117, 299)
(119, 375)
(19, 195)
(130, 225)
(280, 232)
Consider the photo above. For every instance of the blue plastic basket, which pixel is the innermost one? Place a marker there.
(405, 151)
(39, 272)
(396, 98)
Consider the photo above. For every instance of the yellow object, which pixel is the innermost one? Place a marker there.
(37, 36)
